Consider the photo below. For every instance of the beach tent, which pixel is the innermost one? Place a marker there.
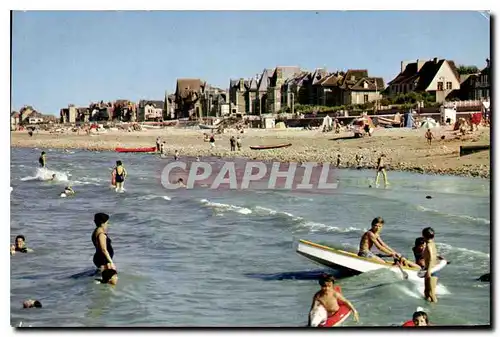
(327, 122)
(409, 122)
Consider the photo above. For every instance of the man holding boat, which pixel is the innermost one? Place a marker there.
(372, 238)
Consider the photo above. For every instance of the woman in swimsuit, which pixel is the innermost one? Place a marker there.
(119, 173)
(103, 249)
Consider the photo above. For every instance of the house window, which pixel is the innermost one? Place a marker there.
(440, 86)
(365, 98)
(448, 86)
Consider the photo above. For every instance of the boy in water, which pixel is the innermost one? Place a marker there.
(109, 276)
(418, 251)
(372, 238)
(20, 246)
(42, 160)
(430, 260)
(429, 136)
(119, 174)
(420, 318)
(381, 168)
(68, 190)
(328, 298)
(32, 304)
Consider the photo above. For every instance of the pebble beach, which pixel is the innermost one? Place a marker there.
(406, 149)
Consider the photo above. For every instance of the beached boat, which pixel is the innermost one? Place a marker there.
(208, 127)
(269, 147)
(347, 261)
(137, 149)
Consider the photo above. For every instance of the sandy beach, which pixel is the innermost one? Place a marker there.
(405, 149)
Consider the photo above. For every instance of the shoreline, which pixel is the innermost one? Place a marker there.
(406, 150)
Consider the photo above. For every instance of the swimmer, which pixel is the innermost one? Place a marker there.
(53, 177)
(109, 276)
(20, 246)
(176, 155)
(119, 173)
(42, 160)
(420, 318)
(103, 249)
(68, 190)
(180, 182)
(32, 304)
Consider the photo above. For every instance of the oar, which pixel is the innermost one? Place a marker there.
(405, 274)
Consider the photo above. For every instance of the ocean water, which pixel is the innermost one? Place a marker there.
(227, 258)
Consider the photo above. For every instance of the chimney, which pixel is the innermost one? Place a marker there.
(487, 63)
(435, 60)
(420, 64)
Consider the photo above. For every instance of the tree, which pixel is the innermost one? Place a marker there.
(465, 70)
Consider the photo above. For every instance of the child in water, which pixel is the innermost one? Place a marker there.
(420, 318)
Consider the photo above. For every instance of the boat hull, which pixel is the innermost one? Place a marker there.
(339, 259)
(139, 149)
(269, 147)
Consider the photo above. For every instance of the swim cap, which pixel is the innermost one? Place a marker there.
(118, 162)
(107, 275)
(100, 218)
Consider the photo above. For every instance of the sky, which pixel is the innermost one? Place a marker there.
(78, 57)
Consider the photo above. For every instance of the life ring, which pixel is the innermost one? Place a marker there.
(340, 316)
(409, 323)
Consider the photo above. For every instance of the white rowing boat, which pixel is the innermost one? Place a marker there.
(347, 261)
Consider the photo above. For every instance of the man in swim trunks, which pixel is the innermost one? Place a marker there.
(372, 238)
(329, 298)
(430, 261)
(120, 174)
(20, 246)
(381, 168)
(429, 136)
(43, 159)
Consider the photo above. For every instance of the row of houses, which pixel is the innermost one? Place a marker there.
(281, 88)
(27, 115)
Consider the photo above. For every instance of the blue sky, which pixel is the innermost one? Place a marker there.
(78, 57)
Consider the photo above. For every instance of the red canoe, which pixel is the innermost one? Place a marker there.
(340, 316)
(269, 147)
(138, 149)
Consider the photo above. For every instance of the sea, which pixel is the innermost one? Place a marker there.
(227, 258)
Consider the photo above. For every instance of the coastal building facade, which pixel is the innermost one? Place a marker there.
(439, 77)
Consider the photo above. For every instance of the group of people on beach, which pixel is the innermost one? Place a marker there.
(426, 258)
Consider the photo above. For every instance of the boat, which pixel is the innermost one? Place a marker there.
(468, 149)
(208, 127)
(352, 263)
(319, 317)
(269, 147)
(137, 149)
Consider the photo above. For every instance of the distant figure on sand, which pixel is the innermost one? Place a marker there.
(232, 143)
(238, 143)
(103, 249)
(118, 175)
(429, 136)
(338, 160)
(359, 159)
(157, 144)
(176, 155)
(212, 141)
(381, 168)
(42, 160)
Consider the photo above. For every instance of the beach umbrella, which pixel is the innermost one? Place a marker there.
(428, 124)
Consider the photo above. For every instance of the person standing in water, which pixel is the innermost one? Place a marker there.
(381, 168)
(430, 260)
(42, 160)
(119, 173)
(103, 249)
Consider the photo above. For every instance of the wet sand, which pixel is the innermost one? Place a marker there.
(405, 149)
